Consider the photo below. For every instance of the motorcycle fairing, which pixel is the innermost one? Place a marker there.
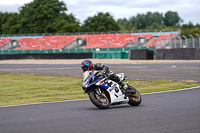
(103, 83)
(114, 91)
(116, 94)
(110, 86)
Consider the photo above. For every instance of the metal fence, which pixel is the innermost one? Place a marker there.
(178, 43)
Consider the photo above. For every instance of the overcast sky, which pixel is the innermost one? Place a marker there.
(188, 10)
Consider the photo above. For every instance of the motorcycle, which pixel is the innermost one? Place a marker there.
(104, 92)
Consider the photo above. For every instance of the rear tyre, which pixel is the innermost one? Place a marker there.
(134, 98)
(100, 100)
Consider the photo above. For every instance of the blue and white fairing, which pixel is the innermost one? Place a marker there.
(110, 86)
(89, 79)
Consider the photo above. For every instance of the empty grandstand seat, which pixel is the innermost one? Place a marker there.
(4, 41)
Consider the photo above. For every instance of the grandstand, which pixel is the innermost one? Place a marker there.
(109, 40)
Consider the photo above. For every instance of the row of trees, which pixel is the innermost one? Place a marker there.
(159, 21)
(39, 16)
(49, 16)
(151, 20)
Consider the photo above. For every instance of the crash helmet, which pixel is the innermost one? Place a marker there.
(86, 65)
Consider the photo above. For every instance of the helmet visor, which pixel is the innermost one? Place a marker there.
(85, 68)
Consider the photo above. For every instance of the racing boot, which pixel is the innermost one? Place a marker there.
(125, 88)
(123, 85)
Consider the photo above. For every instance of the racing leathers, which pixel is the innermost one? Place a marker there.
(111, 75)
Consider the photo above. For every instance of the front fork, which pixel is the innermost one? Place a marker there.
(98, 91)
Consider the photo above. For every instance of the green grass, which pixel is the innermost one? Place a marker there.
(18, 89)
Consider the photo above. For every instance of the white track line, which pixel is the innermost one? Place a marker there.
(43, 103)
(64, 68)
(88, 99)
(171, 91)
(41, 69)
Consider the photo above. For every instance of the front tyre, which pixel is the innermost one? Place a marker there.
(99, 99)
(134, 98)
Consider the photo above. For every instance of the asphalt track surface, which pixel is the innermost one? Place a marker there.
(175, 112)
(169, 71)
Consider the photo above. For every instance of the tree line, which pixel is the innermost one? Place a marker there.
(49, 16)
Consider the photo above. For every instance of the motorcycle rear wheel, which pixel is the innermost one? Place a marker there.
(134, 99)
(100, 101)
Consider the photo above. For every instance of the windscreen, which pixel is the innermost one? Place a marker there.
(85, 75)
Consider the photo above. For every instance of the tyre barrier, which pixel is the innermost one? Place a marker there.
(141, 54)
(178, 54)
(47, 56)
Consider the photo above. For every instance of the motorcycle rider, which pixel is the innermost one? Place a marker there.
(87, 65)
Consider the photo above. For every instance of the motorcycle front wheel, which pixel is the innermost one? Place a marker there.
(134, 98)
(99, 99)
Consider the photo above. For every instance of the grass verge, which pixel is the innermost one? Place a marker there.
(18, 89)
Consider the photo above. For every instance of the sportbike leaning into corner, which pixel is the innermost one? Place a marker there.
(106, 88)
